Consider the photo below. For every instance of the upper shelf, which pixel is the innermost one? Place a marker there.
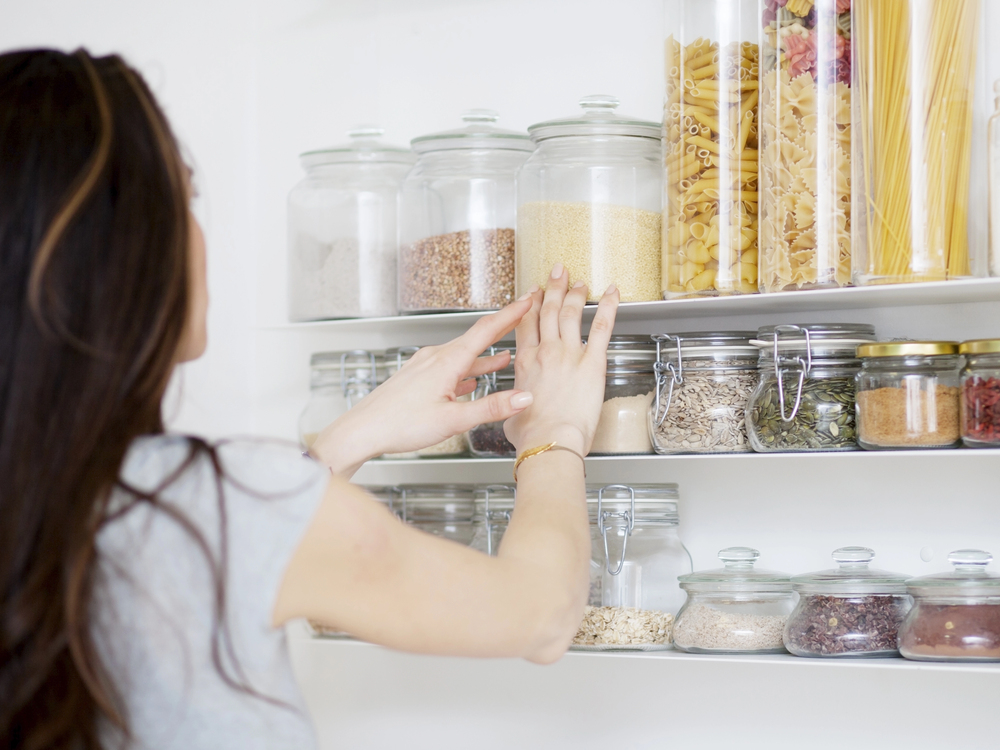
(820, 300)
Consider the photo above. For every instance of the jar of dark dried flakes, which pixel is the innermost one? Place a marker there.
(980, 407)
(489, 440)
(955, 615)
(805, 398)
(494, 506)
(457, 217)
(848, 611)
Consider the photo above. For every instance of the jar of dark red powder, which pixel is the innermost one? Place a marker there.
(980, 406)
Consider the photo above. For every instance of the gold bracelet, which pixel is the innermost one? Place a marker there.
(531, 452)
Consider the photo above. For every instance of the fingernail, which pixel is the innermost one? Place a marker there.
(524, 296)
(577, 285)
(611, 290)
(557, 270)
(521, 400)
(534, 288)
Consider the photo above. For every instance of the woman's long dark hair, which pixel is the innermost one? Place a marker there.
(93, 302)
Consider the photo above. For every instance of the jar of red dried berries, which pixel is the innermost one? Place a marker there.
(980, 407)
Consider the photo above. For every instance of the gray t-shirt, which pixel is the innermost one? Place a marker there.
(154, 600)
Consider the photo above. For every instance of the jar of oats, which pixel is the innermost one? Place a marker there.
(457, 216)
(590, 198)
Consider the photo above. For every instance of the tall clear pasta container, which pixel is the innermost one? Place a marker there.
(805, 159)
(919, 156)
(710, 148)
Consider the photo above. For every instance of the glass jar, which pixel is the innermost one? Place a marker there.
(489, 440)
(735, 609)
(457, 216)
(623, 427)
(444, 510)
(908, 395)
(710, 136)
(955, 615)
(850, 610)
(589, 198)
(916, 89)
(805, 398)
(805, 158)
(704, 381)
(337, 381)
(980, 404)
(637, 557)
(494, 505)
(342, 230)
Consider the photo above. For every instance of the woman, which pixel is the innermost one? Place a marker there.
(144, 577)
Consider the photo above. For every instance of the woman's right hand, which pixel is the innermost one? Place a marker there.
(565, 376)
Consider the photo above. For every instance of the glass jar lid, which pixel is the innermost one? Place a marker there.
(435, 503)
(365, 146)
(494, 503)
(350, 368)
(634, 503)
(630, 354)
(851, 576)
(980, 346)
(823, 340)
(908, 349)
(968, 578)
(737, 574)
(598, 118)
(479, 132)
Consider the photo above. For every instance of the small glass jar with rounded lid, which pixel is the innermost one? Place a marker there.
(590, 198)
(337, 381)
(980, 404)
(703, 384)
(488, 440)
(494, 505)
(623, 428)
(735, 609)
(805, 398)
(908, 395)
(955, 615)
(636, 558)
(444, 510)
(342, 240)
(457, 216)
(848, 611)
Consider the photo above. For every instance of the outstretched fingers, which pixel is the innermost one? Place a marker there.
(603, 324)
(555, 293)
(571, 315)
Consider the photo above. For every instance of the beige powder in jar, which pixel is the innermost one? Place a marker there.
(624, 425)
(703, 627)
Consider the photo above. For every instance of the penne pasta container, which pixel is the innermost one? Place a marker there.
(711, 143)
(805, 157)
(919, 129)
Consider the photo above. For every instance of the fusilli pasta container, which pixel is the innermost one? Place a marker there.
(710, 148)
(805, 160)
(919, 121)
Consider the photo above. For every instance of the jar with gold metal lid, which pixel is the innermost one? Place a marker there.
(980, 404)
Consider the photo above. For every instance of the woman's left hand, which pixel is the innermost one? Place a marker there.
(418, 407)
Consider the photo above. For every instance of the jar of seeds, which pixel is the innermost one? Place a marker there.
(337, 381)
(805, 398)
(623, 427)
(703, 383)
(494, 505)
(457, 217)
(444, 510)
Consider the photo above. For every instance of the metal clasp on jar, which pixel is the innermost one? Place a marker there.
(627, 515)
(804, 366)
(661, 369)
(495, 516)
(349, 385)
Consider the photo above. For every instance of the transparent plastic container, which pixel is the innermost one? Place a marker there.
(704, 381)
(494, 505)
(590, 198)
(735, 609)
(342, 241)
(457, 217)
(623, 428)
(980, 405)
(805, 158)
(918, 86)
(337, 381)
(711, 137)
(637, 556)
(489, 440)
(444, 510)
(908, 395)
(848, 611)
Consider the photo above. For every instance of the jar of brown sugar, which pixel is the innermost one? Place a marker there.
(908, 395)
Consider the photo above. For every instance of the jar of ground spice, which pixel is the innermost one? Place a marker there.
(735, 609)
(494, 505)
(805, 398)
(628, 393)
(908, 395)
(955, 615)
(457, 217)
(850, 610)
(489, 440)
(980, 404)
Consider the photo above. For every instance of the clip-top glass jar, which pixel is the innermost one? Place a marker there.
(850, 610)
(955, 615)
(337, 381)
(704, 381)
(980, 412)
(457, 217)
(636, 559)
(631, 384)
(805, 398)
(342, 230)
(444, 510)
(494, 505)
(589, 198)
(908, 395)
(489, 440)
(735, 609)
